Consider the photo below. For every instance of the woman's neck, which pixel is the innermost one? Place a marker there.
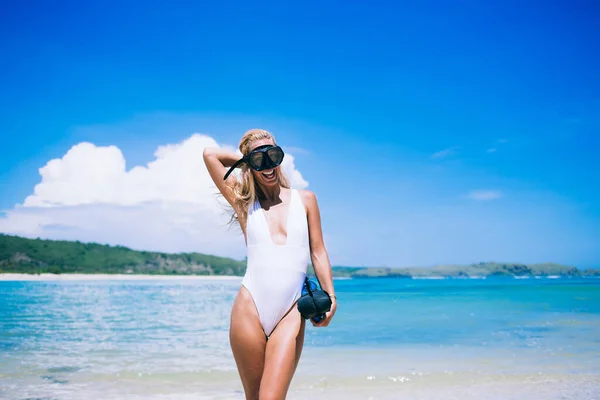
(269, 193)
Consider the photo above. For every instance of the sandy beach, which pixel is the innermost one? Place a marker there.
(113, 277)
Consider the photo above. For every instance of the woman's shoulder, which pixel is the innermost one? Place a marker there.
(309, 198)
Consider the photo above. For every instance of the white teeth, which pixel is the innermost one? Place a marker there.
(268, 174)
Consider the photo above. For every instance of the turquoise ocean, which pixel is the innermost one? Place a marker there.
(495, 338)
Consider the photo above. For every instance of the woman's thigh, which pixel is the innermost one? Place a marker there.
(283, 351)
(248, 342)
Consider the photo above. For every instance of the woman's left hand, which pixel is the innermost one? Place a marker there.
(328, 315)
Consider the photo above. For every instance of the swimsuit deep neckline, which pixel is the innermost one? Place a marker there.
(287, 222)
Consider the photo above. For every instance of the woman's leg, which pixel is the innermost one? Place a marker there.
(283, 351)
(248, 341)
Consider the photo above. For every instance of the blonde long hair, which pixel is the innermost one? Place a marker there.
(245, 190)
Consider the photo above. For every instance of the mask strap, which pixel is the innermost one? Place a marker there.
(307, 283)
(234, 166)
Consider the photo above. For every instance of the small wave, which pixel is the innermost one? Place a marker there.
(64, 369)
(53, 379)
(429, 277)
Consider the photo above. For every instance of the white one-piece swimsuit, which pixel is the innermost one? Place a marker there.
(275, 273)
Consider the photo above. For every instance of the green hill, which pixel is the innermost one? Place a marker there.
(21, 255)
(33, 256)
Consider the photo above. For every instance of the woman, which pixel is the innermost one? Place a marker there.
(282, 228)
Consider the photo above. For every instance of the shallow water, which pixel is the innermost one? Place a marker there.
(391, 338)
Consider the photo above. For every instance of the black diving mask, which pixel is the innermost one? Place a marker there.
(261, 158)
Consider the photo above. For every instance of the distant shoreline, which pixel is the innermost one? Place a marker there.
(68, 260)
(112, 277)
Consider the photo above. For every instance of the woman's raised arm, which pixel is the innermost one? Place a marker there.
(218, 162)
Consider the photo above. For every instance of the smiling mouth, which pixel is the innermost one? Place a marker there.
(269, 174)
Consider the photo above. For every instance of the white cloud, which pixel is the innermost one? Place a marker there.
(483, 195)
(445, 153)
(295, 150)
(171, 204)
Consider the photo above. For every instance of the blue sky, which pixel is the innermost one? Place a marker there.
(434, 132)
